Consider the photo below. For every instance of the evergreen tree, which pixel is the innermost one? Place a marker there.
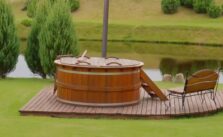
(9, 42)
(32, 51)
(57, 37)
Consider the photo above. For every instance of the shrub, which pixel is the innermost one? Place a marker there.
(182, 2)
(221, 9)
(32, 50)
(201, 6)
(74, 4)
(9, 42)
(24, 8)
(170, 6)
(214, 11)
(57, 37)
(187, 3)
(26, 22)
(31, 8)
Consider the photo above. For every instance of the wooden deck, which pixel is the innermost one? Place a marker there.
(45, 104)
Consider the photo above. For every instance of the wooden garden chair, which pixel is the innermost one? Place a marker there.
(200, 83)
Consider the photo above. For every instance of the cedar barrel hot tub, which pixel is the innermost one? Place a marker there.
(94, 81)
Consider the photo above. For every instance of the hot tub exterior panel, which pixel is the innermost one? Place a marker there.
(98, 86)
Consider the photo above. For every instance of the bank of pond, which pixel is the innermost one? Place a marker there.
(159, 59)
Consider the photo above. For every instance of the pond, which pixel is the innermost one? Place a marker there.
(159, 59)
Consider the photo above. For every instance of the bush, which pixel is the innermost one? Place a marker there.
(170, 6)
(31, 8)
(24, 8)
(57, 37)
(26, 22)
(187, 3)
(32, 50)
(9, 41)
(214, 11)
(201, 6)
(74, 5)
(221, 9)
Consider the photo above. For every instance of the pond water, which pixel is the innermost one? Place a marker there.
(159, 59)
(22, 71)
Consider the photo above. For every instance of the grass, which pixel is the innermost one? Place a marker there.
(138, 20)
(123, 49)
(14, 93)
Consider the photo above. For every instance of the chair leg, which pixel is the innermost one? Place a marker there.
(203, 97)
(213, 95)
(168, 106)
(169, 101)
(54, 89)
(183, 101)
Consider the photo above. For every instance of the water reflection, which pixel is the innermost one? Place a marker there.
(174, 66)
(21, 70)
(167, 66)
(159, 59)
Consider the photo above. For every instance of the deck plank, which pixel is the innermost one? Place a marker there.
(195, 105)
(46, 103)
(41, 102)
(217, 102)
(213, 106)
(149, 106)
(35, 99)
(50, 101)
(31, 101)
(208, 104)
(220, 100)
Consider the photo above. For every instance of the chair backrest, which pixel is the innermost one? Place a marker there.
(201, 80)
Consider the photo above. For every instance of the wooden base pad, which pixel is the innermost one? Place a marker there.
(45, 103)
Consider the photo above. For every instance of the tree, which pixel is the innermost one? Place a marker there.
(32, 51)
(57, 36)
(9, 42)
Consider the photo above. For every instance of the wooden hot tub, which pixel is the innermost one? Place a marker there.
(98, 81)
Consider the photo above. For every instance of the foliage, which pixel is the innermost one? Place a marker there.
(167, 66)
(57, 37)
(214, 11)
(74, 4)
(187, 3)
(222, 9)
(32, 51)
(170, 6)
(26, 22)
(201, 6)
(9, 42)
(31, 7)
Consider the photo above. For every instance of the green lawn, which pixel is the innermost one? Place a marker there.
(14, 93)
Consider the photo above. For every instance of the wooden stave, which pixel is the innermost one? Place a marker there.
(104, 97)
